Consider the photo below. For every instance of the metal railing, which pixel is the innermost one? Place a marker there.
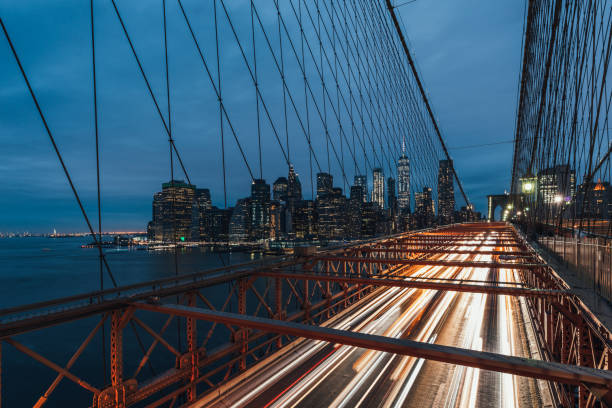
(590, 258)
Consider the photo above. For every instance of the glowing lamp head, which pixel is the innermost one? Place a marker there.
(558, 199)
(528, 187)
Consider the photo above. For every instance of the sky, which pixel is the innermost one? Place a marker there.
(468, 56)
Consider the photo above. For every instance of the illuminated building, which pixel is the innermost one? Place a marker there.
(556, 184)
(240, 222)
(294, 187)
(362, 181)
(369, 219)
(324, 184)
(354, 209)
(260, 209)
(378, 188)
(173, 212)
(594, 201)
(446, 192)
(403, 183)
(279, 189)
(424, 209)
(201, 205)
(217, 222)
(331, 210)
(305, 220)
(276, 220)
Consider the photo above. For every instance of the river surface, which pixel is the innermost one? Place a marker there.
(35, 269)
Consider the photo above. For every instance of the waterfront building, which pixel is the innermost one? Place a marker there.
(361, 180)
(403, 183)
(201, 205)
(217, 224)
(378, 188)
(260, 209)
(173, 212)
(446, 192)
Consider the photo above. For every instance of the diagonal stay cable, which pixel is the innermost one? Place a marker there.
(212, 83)
(95, 104)
(146, 79)
(254, 79)
(57, 152)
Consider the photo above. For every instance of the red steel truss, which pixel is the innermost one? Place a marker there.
(230, 318)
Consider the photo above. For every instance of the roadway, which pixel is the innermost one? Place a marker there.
(311, 373)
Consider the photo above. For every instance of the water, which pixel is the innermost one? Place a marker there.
(37, 269)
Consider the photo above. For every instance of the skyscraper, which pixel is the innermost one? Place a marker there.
(362, 181)
(378, 189)
(280, 188)
(354, 209)
(173, 212)
(424, 209)
(556, 184)
(240, 222)
(260, 209)
(446, 192)
(201, 206)
(294, 187)
(403, 183)
(305, 220)
(324, 184)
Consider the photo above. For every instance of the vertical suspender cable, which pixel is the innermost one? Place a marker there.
(95, 105)
(220, 99)
(170, 143)
(424, 96)
(56, 149)
(256, 84)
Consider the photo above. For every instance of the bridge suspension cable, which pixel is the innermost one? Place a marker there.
(561, 166)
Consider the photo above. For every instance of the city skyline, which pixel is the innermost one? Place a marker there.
(280, 212)
(131, 169)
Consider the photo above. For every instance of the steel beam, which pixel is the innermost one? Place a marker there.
(563, 373)
(418, 284)
(441, 251)
(432, 262)
(437, 244)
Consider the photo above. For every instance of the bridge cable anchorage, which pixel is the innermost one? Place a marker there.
(424, 96)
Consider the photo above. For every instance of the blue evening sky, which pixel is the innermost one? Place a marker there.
(468, 55)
